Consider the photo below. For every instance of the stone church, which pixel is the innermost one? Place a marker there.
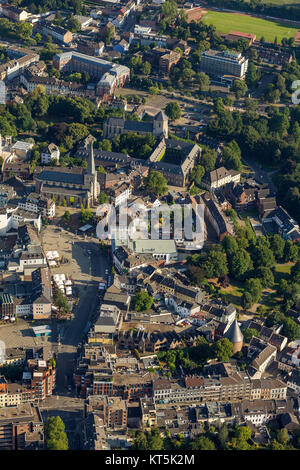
(157, 127)
(76, 186)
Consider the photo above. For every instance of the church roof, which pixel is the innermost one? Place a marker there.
(67, 176)
(161, 116)
(234, 333)
(138, 126)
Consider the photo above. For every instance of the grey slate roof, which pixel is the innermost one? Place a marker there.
(234, 333)
(61, 177)
(136, 126)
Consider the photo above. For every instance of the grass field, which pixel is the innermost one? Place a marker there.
(226, 22)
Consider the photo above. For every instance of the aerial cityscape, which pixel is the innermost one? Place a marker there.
(150, 227)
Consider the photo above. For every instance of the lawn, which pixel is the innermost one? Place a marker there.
(282, 271)
(233, 294)
(226, 22)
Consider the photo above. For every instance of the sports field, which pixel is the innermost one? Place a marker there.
(226, 22)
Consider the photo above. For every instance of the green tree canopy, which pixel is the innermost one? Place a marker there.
(223, 349)
(249, 332)
(55, 435)
(142, 301)
(173, 110)
(156, 183)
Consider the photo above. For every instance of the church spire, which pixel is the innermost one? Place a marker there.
(91, 160)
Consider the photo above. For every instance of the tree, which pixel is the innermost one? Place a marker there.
(215, 265)
(243, 432)
(276, 317)
(196, 274)
(254, 287)
(279, 123)
(73, 24)
(108, 35)
(156, 183)
(239, 264)
(173, 111)
(67, 216)
(231, 156)
(219, 108)
(11, 372)
(239, 88)
(230, 245)
(61, 300)
(146, 68)
(208, 159)
(291, 329)
(105, 144)
(289, 291)
(74, 77)
(37, 102)
(142, 301)
(223, 349)
(103, 198)
(55, 435)
(155, 440)
(291, 251)
(169, 10)
(101, 169)
(249, 332)
(242, 435)
(203, 443)
(202, 80)
(283, 436)
(295, 270)
(276, 445)
(272, 94)
(140, 442)
(246, 300)
(266, 276)
(263, 256)
(24, 30)
(197, 174)
(86, 215)
(251, 75)
(223, 436)
(153, 90)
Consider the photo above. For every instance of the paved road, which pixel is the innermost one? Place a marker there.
(86, 266)
(73, 332)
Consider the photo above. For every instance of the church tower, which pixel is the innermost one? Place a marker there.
(90, 177)
(160, 125)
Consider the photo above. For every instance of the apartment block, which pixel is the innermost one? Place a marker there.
(224, 63)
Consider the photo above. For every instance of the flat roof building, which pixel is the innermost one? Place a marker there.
(42, 330)
(224, 63)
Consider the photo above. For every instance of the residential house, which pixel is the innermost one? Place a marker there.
(51, 153)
